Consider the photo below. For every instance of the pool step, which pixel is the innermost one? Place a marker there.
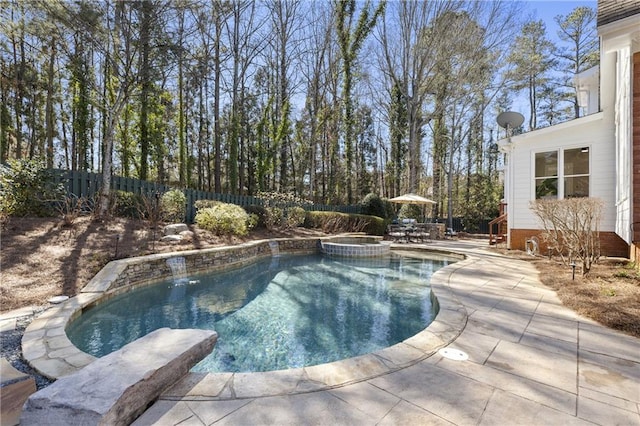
(117, 388)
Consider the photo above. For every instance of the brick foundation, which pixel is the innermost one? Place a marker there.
(610, 243)
(634, 256)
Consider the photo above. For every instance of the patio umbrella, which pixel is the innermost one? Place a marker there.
(411, 199)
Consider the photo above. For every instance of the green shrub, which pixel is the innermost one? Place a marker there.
(28, 188)
(204, 204)
(252, 221)
(259, 212)
(376, 226)
(223, 219)
(373, 205)
(125, 204)
(295, 217)
(173, 206)
(274, 217)
(4, 219)
(335, 222)
(282, 199)
(390, 209)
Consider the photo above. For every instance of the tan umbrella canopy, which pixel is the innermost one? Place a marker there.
(411, 199)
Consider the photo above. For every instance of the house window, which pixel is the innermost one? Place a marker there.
(547, 174)
(576, 172)
(570, 166)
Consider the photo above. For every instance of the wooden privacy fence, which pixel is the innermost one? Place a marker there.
(482, 227)
(87, 184)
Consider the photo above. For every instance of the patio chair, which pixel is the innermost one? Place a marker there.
(398, 233)
(414, 234)
(421, 232)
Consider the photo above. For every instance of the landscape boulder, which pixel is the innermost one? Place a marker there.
(15, 388)
(117, 388)
(175, 228)
(187, 235)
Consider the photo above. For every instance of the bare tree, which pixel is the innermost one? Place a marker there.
(111, 32)
(285, 24)
(409, 58)
(351, 37)
(245, 45)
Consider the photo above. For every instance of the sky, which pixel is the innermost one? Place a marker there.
(548, 9)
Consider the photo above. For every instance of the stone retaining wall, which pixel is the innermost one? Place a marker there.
(152, 268)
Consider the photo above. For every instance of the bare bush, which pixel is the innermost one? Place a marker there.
(571, 228)
(71, 207)
(149, 209)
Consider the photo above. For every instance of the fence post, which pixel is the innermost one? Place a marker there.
(190, 208)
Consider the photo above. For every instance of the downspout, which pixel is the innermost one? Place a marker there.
(506, 147)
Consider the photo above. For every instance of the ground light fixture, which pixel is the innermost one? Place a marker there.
(117, 240)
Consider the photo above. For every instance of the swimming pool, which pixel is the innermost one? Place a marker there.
(275, 313)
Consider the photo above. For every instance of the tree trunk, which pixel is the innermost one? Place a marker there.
(216, 112)
(145, 78)
(235, 105)
(19, 85)
(50, 122)
(107, 163)
(182, 144)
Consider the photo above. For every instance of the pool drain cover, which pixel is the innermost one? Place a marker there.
(453, 354)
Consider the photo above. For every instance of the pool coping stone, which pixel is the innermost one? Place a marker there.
(47, 348)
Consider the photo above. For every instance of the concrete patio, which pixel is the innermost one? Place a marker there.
(530, 361)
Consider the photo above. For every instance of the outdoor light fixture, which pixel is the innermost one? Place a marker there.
(117, 239)
(573, 268)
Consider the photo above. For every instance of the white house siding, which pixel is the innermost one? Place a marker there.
(623, 143)
(608, 134)
(620, 39)
(595, 132)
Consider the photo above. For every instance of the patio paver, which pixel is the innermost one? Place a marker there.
(531, 361)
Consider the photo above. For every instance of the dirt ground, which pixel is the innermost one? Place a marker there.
(40, 258)
(609, 293)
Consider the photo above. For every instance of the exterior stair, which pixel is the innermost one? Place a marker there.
(500, 223)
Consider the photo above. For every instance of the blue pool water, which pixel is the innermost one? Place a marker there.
(277, 313)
